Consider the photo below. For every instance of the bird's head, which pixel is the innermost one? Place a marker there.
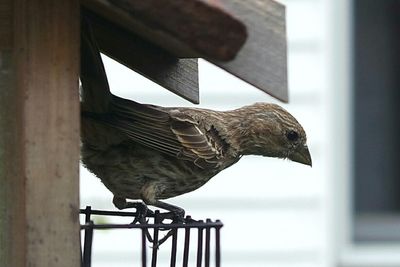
(269, 130)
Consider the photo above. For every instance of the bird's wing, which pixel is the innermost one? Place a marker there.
(168, 131)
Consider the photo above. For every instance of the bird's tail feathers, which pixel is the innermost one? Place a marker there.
(95, 91)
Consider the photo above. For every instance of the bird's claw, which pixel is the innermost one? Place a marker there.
(176, 216)
(142, 212)
(179, 217)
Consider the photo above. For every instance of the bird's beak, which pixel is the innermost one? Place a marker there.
(301, 155)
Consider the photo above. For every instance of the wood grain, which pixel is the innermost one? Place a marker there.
(5, 23)
(40, 138)
(185, 28)
(180, 76)
(262, 61)
(12, 189)
(11, 176)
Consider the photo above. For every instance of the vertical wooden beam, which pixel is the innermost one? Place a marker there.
(11, 202)
(39, 137)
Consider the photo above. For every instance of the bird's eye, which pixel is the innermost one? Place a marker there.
(292, 135)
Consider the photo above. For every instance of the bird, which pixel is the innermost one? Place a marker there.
(152, 153)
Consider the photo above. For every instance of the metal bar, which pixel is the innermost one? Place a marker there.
(87, 211)
(207, 249)
(217, 246)
(144, 256)
(151, 226)
(174, 247)
(155, 240)
(158, 226)
(111, 213)
(199, 246)
(87, 249)
(186, 247)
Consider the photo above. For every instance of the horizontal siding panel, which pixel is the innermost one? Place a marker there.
(215, 85)
(304, 20)
(275, 179)
(233, 259)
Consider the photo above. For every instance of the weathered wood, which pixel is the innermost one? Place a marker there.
(5, 23)
(11, 204)
(263, 59)
(180, 76)
(186, 28)
(39, 137)
(11, 177)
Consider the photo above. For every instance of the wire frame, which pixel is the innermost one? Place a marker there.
(154, 223)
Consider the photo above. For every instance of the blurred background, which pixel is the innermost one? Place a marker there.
(343, 65)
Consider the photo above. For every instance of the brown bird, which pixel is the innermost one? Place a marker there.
(153, 153)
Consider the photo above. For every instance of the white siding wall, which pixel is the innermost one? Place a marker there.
(287, 202)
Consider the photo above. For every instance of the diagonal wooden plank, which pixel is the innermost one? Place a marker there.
(262, 61)
(185, 28)
(180, 76)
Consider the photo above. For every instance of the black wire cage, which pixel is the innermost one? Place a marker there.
(201, 238)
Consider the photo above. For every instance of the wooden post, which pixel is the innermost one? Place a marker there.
(39, 133)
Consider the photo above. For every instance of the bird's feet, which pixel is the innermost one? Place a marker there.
(175, 213)
(175, 216)
(142, 211)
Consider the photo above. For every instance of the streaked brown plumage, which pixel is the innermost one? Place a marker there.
(152, 153)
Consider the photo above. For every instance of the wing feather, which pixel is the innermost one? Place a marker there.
(168, 131)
